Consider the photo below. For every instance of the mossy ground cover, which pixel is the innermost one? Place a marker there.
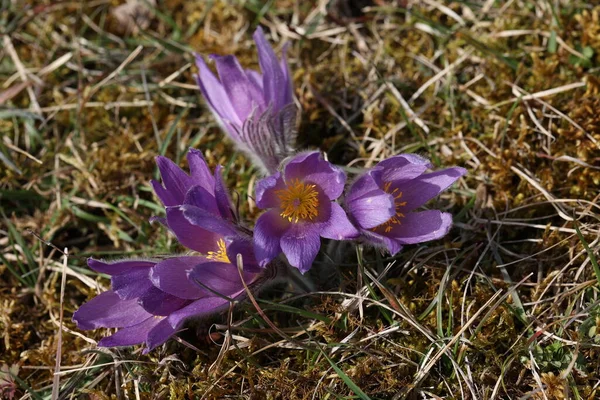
(506, 306)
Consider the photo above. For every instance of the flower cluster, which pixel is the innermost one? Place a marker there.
(305, 198)
(150, 299)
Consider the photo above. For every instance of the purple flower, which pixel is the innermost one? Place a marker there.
(149, 301)
(255, 109)
(204, 197)
(381, 202)
(302, 209)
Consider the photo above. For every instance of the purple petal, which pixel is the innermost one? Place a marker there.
(368, 205)
(157, 302)
(392, 245)
(159, 335)
(339, 226)
(274, 81)
(108, 310)
(119, 267)
(312, 168)
(130, 336)
(199, 170)
(403, 167)
(217, 278)
(300, 244)
(208, 221)
(199, 308)
(420, 190)
(198, 196)
(268, 230)
(245, 247)
(418, 227)
(165, 196)
(256, 78)
(176, 182)
(243, 95)
(221, 196)
(364, 185)
(216, 96)
(190, 235)
(131, 285)
(171, 276)
(266, 191)
(288, 94)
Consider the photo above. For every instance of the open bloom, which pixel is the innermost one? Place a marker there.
(255, 109)
(302, 209)
(381, 202)
(150, 300)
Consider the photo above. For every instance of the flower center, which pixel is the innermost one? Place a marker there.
(220, 254)
(395, 220)
(298, 201)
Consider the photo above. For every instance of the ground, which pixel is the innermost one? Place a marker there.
(506, 306)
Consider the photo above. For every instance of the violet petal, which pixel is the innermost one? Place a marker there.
(273, 79)
(221, 196)
(422, 189)
(191, 235)
(171, 276)
(266, 191)
(300, 244)
(119, 267)
(215, 94)
(403, 167)
(175, 181)
(418, 227)
(159, 335)
(339, 226)
(218, 278)
(157, 302)
(131, 285)
(268, 230)
(199, 308)
(242, 93)
(108, 310)
(131, 335)
(198, 196)
(199, 170)
(208, 221)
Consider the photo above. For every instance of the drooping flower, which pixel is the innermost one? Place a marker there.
(150, 300)
(381, 202)
(255, 109)
(302, 209)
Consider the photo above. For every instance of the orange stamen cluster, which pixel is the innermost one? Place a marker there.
(299, 201)
(220, 254)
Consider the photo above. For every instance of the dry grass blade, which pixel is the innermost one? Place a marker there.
(63, 281)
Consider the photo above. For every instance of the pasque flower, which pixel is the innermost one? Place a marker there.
(302, 208)
(204, 197)
(381, 202)
(150, 300)
(255, 109)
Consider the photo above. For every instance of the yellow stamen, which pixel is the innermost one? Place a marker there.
(298, 201)
(219, 255)
(388, 225)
